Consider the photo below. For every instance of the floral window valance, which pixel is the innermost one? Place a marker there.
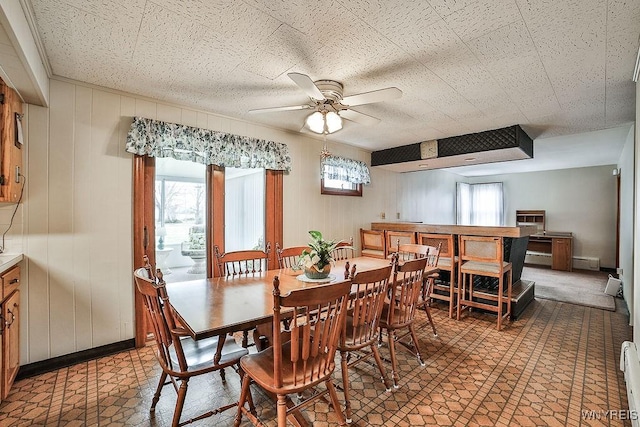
(154, 138)
(343, 169)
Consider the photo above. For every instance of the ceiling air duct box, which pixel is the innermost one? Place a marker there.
(497, 145)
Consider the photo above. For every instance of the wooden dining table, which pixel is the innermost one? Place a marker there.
(221, 305)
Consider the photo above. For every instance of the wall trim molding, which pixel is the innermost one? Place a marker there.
(54, 363)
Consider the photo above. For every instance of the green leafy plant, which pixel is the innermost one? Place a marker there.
(320, 251)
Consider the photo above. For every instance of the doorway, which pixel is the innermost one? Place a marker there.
(151, 222)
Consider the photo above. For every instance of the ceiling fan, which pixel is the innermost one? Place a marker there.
(330, 106)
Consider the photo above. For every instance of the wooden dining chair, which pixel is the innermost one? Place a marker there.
(396, 238)
(409, 251)
(344, 250)
(317, 319)
(399, 311)
(180, 356)
(242, 262)
(444, 286)
(368, 292)
(239, 263)
(372, 243)
(289, 257)
(484, 257)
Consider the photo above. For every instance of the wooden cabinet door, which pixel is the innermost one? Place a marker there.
(10, 341)
(10, 147)
(561, 254)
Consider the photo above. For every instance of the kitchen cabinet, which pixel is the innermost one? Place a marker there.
(11, 143)
(10, 307)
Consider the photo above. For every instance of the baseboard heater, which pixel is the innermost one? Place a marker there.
(579, 262)
(630, 365)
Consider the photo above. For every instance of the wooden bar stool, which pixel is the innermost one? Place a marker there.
(372, 243)
(483, 256)
(397, 238)
(447, 261)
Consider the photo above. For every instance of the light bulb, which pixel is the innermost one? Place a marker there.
(315, 122)
(334, 122)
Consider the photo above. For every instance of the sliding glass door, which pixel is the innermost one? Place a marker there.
(244, 209)
(180, 213)
(182, 209)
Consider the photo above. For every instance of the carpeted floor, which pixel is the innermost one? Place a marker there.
(582, 287)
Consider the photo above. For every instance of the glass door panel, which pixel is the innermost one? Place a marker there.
(244, 209)
(180, 204)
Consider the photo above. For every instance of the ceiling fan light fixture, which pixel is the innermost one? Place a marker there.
(315, 122)
(324, 122)
(334, 122)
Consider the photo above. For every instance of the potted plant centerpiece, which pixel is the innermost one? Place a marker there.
(317, 260)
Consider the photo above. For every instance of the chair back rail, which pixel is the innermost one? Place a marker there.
(405, 291)
(407, 251)
(317, 319)
(480, 248)
(447, 250)
(344, 250)
(372, 243)
(242, 262)
(289, 257)
(368, 292)
(395, 238)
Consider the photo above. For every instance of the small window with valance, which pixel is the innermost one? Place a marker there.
(342, 176)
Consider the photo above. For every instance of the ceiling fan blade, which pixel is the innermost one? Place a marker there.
(373, 96)
(274, 109)
(307, 85)
(358, 117)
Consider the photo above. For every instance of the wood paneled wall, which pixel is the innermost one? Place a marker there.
(77, 238)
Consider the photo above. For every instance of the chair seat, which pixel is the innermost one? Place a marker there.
(259, 367)
(445, 263)
(357, 338)
(478, 267)
(385, 316)
(199, 354)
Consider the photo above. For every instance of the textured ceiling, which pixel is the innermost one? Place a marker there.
(556, 67)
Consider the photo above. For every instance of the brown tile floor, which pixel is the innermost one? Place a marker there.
(546, 368)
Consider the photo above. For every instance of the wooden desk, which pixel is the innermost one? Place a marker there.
(220, 305)
(558, 244)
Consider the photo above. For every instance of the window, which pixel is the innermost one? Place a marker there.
(480, 204)
(180, 199)
(343, 177)
(337, 186)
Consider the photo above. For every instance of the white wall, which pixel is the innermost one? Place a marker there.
(626, 165)
(579, 200)
(77, 290)
(427, 196)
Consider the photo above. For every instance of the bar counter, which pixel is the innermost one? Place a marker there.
(468, 230)
(515, 241)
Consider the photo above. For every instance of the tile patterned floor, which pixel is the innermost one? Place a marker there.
(546, 369)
